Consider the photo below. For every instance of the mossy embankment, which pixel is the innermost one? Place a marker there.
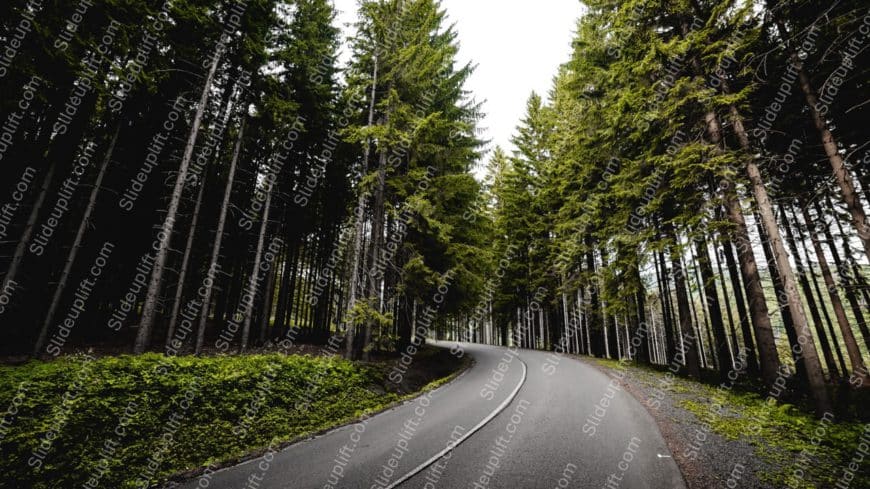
(117, 420)
(732, 436)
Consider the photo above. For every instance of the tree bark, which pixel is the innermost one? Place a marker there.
(185, 262)
(76, 245)
(745, 322)
(27, 234)
(782, 302)
(218, 238)
(688, 349)
(359, 225)
(767, 352)
(852, 349)
(849, 284)
(721, 346)
(146, 324)
(727, 306)
(252, 282)
(820, 296)
(842, 175)
(808, 293)
(667, 308)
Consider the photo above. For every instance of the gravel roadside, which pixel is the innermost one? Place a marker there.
(706, 459)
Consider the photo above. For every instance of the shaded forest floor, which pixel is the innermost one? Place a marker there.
(116, 420)
(733, 438)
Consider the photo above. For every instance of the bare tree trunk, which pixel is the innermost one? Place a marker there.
(598, 341)
(268, 295)
(643, 352)
(76, 245)
(821, 297)
(27, 234)
(687, 332)
(767, 352)
(709, 283)
(218, 238)
(850, 284)
(360, 222)
(252, 283)
(700, 328)
(667, 308)
(745, 322)
(146, 324)
(185, 261)
(809, 354)
(852, 349)
(808, 293)
(842, 175)
(727, 306)
(378, 225)
(688, 337)
(782, 302)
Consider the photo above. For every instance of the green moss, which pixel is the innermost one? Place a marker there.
(780, 433)
(236, 405)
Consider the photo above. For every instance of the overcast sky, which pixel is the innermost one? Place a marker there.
(518, 46)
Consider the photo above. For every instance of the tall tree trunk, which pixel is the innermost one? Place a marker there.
(701, 328)
(852, 349)
(820, 295)
(185, 262)
(709, 279)
(252, 282)
(598, 341)
(218, 238)
(268, 296)
(849, 284)
(283, 292)
(767, 352)
(808, 293)
(687, 332)
(842, 175)
(688, 335)
(359, 224)
(27, 234)
(76, 245)
(643, 353)
(745, 322)
(146, 323)
(667, 308)
(727, 306)
(376, 279)
(782, 301)
(809, 354)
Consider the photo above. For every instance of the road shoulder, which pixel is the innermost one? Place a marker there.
(705, 458)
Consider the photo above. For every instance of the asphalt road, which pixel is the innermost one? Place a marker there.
(517, 419)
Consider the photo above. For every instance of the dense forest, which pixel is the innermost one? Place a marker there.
(205, 176)
(694, 195)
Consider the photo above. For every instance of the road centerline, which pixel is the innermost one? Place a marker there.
(501, 407)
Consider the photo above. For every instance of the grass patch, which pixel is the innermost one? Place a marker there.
(803, 451)
(779, 432)
(118, 419)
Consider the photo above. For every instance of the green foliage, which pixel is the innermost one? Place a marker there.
(236, 405)
(780, 433)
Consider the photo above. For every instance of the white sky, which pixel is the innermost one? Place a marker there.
(517, 45)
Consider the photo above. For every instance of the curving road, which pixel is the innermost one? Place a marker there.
(517, 419)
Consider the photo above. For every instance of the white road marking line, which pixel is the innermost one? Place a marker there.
(476, 428)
